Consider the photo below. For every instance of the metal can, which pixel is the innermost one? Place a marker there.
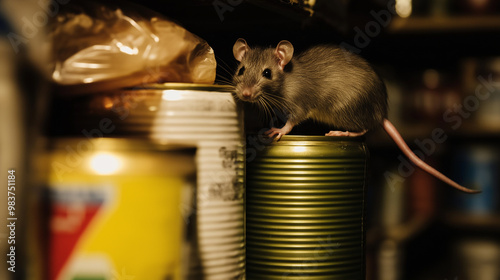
(202, 115)
(478, 258)
(305, 209)
(477, 166)
(111, 209)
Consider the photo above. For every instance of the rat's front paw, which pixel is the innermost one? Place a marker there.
(280, 131)
(275, 131)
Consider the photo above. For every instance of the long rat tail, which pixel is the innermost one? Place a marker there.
(394, 134)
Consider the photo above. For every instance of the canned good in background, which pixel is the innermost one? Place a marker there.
(112, 209)
(305, 209)
(482, 83)
(477, 166)
(204, 116)
(479, 259)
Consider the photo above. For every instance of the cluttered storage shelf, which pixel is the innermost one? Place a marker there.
(151, 77)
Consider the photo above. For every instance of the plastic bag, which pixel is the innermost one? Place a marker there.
(126, 46)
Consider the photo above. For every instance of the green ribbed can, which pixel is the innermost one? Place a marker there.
(305, 209)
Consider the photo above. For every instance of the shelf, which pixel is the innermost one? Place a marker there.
(444, 24)
(292, 10)
(478, 130)
(468, 221)
(410, 132)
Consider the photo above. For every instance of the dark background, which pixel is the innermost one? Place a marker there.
(417, 228)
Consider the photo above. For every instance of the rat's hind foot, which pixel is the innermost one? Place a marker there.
(345, 133)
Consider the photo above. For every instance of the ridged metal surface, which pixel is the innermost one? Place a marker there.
(305, 209)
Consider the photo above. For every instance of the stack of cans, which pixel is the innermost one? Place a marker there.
(206, 117)
(210, 120)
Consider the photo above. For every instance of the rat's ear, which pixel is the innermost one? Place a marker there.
(240, 48)
(284, 53)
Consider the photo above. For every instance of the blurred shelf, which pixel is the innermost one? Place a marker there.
(444, 24)
(215, 18)
(473, 222)
(411, 132)
(292, 9)
(477, 130)
(380, 138)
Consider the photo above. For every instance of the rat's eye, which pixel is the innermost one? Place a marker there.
(242, 70)
(267, 73)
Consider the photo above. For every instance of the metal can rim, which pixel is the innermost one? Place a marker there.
(319, 138)
(119, 144)
(186, 86)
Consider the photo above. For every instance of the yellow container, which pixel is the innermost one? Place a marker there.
(113, 210)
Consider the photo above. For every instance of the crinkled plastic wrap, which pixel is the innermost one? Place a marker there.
(126, 46)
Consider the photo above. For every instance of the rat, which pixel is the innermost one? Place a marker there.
(323, 83)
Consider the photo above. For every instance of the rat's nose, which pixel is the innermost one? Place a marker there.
(247, 93)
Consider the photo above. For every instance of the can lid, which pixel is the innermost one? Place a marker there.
(114, 156)
(118, 144)
(187, 86)
(160, 111)
(310, 138)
